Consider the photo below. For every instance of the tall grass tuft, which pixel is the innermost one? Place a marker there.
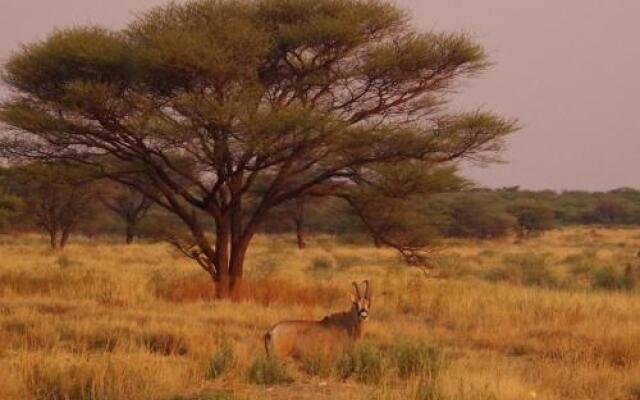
(268, 371)
(318, 364)
(416, 358)
(527, 269)
(222, 360)
(608, 278)
(428, 390)
(365, 363)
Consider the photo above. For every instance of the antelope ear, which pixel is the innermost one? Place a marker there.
(368, 293)
(352, 297)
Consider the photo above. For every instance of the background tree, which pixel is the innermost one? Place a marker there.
(532, 217)
(388, 202)
(56, 197)
(609, 211)
(480, 215)
(128, 204)
(293, 212)
(207, 97)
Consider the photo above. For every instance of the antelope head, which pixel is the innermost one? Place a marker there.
(361, 300)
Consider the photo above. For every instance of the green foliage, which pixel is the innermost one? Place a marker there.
(268, 371)
(478, 214)
(221, 361)
(532, 216)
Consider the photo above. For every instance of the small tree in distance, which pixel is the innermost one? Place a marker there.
(56, 197)
(532, 217)
(128, 204)
(207, 97)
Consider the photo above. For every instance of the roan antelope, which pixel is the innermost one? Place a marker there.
(329, 336)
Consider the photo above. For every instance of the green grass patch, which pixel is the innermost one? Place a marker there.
(268, 371)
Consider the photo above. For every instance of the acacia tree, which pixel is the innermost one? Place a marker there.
(388, 202)
(206, 97)
(55, 197)
(532, 217)
(128, 204)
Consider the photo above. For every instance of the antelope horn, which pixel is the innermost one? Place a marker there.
(355, 285)
(366, 289)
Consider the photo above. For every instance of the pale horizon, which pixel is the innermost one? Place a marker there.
(567, 71)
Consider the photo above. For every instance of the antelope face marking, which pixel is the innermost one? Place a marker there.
(361, 301)
(362, 307)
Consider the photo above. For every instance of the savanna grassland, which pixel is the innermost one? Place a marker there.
(552, 317)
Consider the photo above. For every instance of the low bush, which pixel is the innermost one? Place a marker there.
(608, 278)
(222, 360)
(321, 264)
(317, 364)
(531, 269)
(365, 363)
(268, 371)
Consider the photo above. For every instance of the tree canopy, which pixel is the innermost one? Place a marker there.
(207, 97)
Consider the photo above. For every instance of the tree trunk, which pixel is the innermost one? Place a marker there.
(300, 233)
(130, 232)
(65, 237)
(53, 239)
(228, 285)
(228, 282)
(223, 286)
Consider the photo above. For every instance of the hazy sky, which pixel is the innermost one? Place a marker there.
(569, 70)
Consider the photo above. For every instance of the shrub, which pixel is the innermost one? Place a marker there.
(607, 278)
(413, 358)
(531, 269)
(321, 264)
(582, 263)
(221, 361)
(268, 371)
(317, 364)
(365, 363)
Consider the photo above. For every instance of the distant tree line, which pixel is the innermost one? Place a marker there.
(487, 213)
(58, 201)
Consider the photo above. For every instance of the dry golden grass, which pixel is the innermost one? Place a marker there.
(514, 320)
